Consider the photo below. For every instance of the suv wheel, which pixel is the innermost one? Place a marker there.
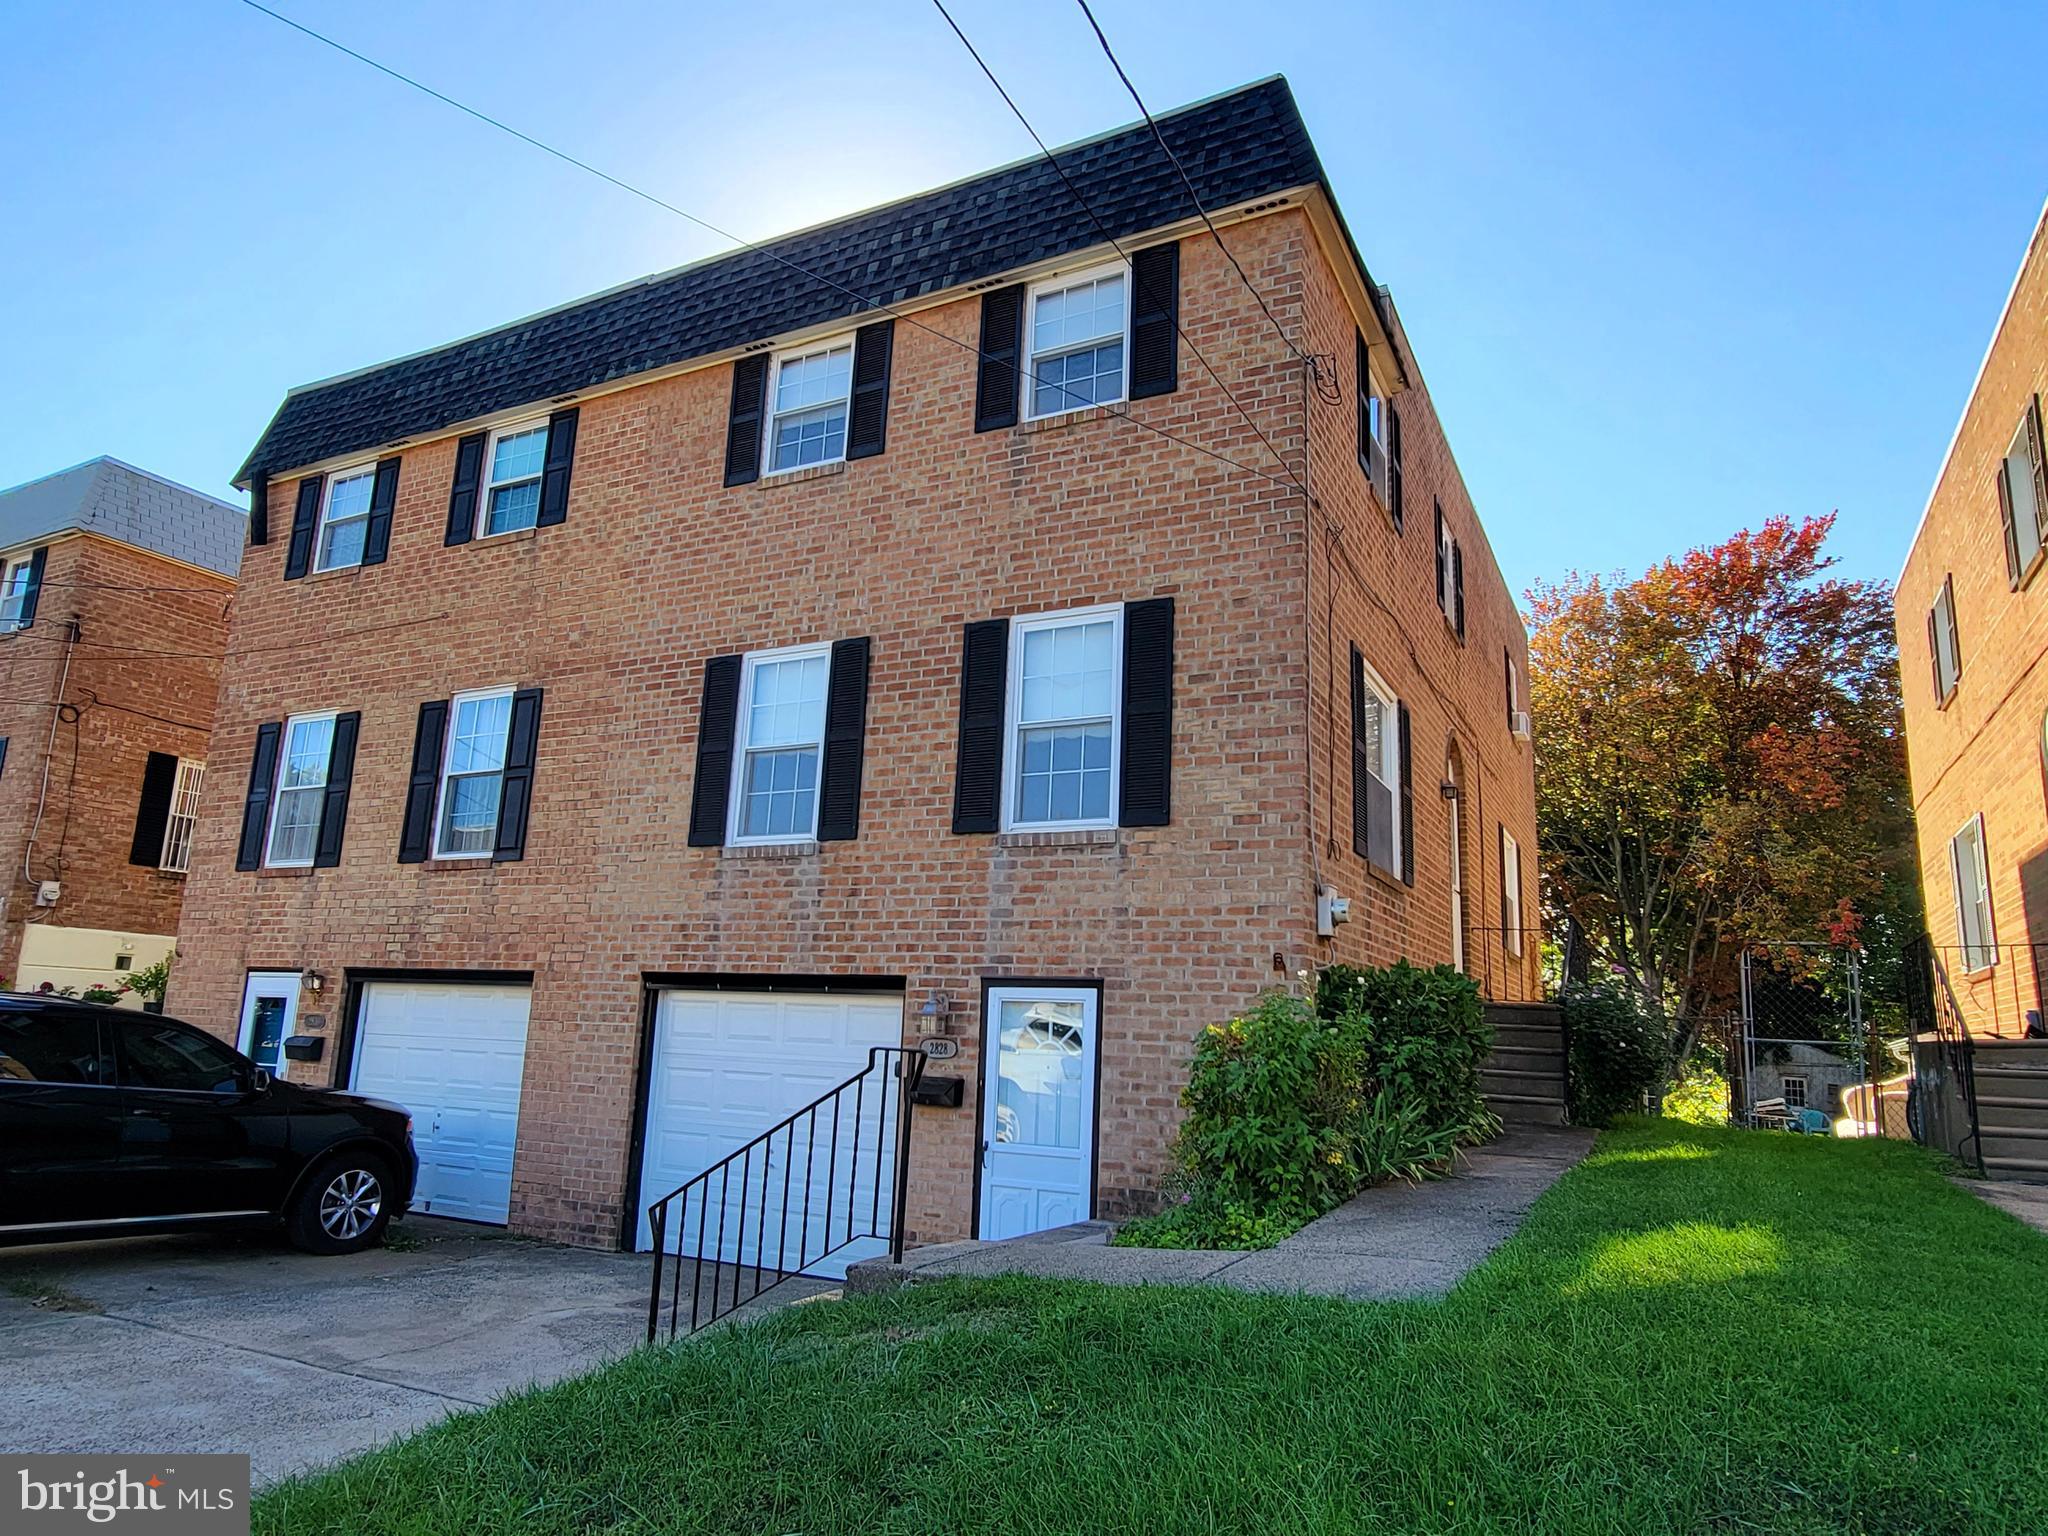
(343, 1206)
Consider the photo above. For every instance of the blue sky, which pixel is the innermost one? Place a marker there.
(1668, 270)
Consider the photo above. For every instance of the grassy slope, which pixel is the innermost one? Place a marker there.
(1697, 1331)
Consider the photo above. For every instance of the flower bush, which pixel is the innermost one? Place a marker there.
(1298, 1104)
(1617, 1052)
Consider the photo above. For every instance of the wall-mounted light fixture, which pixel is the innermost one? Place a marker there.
(1448, 790)
(934, 1008)
(311, 979)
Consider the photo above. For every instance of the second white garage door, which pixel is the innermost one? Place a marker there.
(453, 1054)
(729, 1065)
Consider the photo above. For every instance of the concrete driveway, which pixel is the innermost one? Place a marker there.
(241, 1344)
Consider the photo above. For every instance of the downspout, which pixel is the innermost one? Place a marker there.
(57, 708)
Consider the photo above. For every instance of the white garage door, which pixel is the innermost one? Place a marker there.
(453, 1055)
(728, 1066)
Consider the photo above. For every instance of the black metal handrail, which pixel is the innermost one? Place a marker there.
(1933, 1009)
(838, 1117)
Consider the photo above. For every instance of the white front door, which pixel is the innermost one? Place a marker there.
(452, 1053)
(728, 1066)
(1457, 874)
(270, 1007)
(1038, 1109)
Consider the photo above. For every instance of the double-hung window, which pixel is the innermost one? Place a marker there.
(1075, 333)
(301, 790)
(1971, 873)
(1510, 892)
(1379, 738)
(781, 742)
(345, 518)
(14, 589)
(808, 417)
(184, 817)
(1942, 642)
(1060, 765)
(1446, 566)
(513, 460)
(2020, 486)
(473, 774)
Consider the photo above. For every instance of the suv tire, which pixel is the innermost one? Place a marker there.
(343, 1205)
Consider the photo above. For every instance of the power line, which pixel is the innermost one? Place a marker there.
(865, 300)
(1193, 196)
(1053, 160)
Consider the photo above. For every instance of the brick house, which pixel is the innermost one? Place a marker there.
(640, 711)
(115, 587)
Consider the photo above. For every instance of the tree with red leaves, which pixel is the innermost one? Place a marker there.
(1720, 764)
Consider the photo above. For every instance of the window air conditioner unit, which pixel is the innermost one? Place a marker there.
(1518, 724)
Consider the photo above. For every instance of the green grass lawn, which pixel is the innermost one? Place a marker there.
(1697, 1331)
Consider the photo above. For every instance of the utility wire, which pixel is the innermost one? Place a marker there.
(1087, 208)
(1193, 196)
(866, 300)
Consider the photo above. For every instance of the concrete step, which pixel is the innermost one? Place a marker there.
(2002, 1142)
(2015, 1111)
(1997, 1079)
(1504, 1059)
(2026, 1170)
(1526, 1109)
(1541, 1085)
(1528, 1037)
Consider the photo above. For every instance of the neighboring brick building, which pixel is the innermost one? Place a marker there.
(114, 605)
(1973, 647)
(715, 678)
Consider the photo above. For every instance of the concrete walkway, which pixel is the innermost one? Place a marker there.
(1397, 1241)
(2029, 1202)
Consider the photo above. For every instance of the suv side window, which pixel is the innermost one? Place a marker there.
(53, 1046)
(158, 1053)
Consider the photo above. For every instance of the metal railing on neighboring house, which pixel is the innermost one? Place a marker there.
(1942, 1109)
(800, 1193)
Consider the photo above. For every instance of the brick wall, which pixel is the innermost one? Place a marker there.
(1983, 752)
(130, 607)
(659, 567)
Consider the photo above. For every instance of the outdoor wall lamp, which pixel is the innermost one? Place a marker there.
(1448, 790)
(312, 980)
(935, 1007)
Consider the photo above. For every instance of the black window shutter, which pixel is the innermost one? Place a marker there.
(469, 475)
(1955, 640)
(1458, 587)
(1934, 658)
(2040, 457)
(515, 800)
(554, 476)
(341, 773)
(2003, 480)
(256, 808)
(1442, 585)
(298, 554)
(259, 508)
(1395, 507)
(716, 719)
(3, 754)
(867, 413)
(1361, 787)
(416, 832)
(34, 595)
(1146, 795)
(978, 767)
(153, 814)
(743, 420)
(1364, 388)
(846, 720)
(1407, 802)
(383, 497)
(1155, 323)
(997, 377)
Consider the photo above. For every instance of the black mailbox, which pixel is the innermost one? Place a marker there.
(939, 1092)
(303, 1047)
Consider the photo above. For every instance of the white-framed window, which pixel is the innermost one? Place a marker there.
(1075, 331)
(807, 405)
(1794, 1092)
(1948, 653)
(1062, 736)
(472, 774)
(780, 745)
(2019, 475)
(1971, 871)
(1514, 688)
(1379, 728)
(513, 460)
(344, 518)
(1446, 566)
(14, 589)
(177, 851)
(295, 807)
(1510, 891)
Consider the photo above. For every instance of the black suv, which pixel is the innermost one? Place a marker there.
(114, 1122)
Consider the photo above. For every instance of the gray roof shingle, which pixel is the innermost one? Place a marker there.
(119, 501)
(1235, 148)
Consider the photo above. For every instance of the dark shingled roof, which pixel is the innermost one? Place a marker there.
(1235, 148)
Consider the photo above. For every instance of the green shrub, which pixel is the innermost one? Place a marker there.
(1617, 1052)
(1426, 1037)
(1701, 1099)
